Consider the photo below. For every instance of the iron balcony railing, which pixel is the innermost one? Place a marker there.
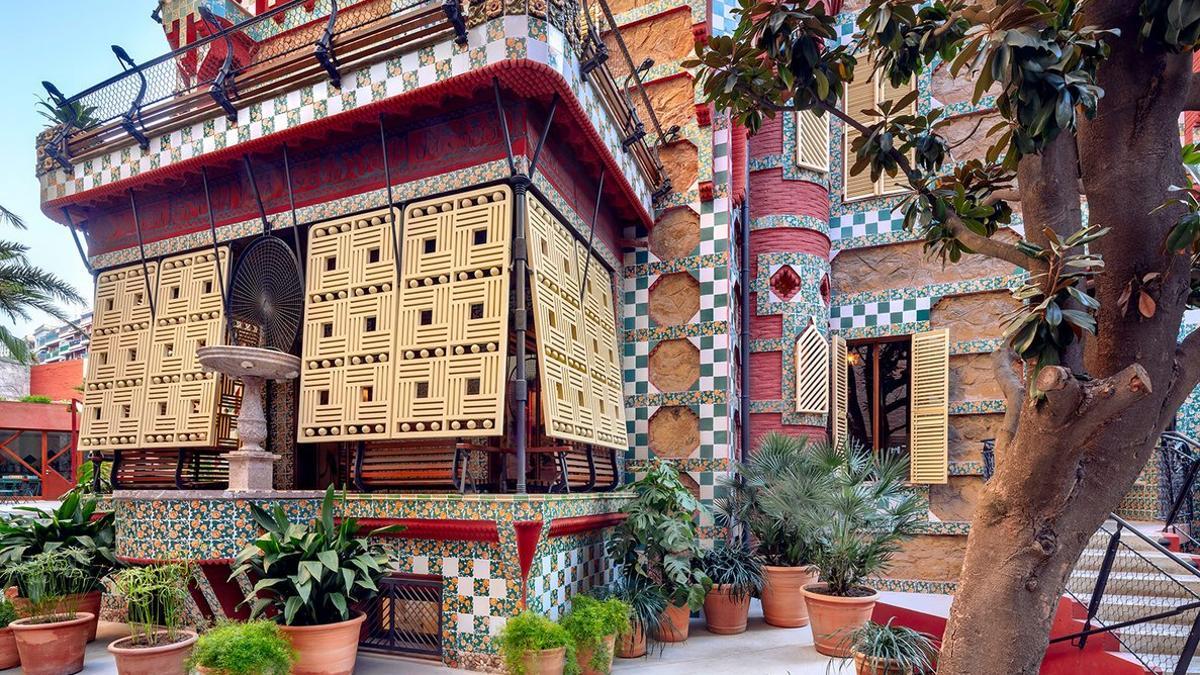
(230, 68)
(1178, 468)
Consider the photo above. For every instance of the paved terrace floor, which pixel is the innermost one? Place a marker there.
(761, 650)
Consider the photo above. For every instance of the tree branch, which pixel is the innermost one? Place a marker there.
(1004, 362)
(1187, 361)
(993, 248)
(1087, 406)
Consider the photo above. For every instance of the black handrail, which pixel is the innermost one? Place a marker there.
(1165, 444)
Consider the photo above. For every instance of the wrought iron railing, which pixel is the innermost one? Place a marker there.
(405, 617)
(1142, 594)
(1178, 469)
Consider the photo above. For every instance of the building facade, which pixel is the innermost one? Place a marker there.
(66, 342)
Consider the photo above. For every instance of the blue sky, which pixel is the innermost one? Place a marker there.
(66, 42)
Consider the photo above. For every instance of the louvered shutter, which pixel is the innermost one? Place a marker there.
(812, 372)
(812, 141)
(929, 406)
(860, 95)
(841, 390)
(899, 182)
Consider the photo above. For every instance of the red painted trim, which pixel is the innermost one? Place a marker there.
(703, 114)
(668, 77)
(561, 527)
(433, 528)
(528, 79)
(528, 533)
(706, 190)
(700, 32)
(228, 593)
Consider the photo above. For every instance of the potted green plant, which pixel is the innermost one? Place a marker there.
(883, 649)
(737, 573)
(311, 576)
(8, 644)
(156, 600)
(787, 548)
(868, 514)
(647, 602)
(52, 636)
(531, 644)
(251, 648)
(74, 525)
(659, 541)
(594, 626)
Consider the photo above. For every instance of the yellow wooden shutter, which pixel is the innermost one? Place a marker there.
(886, 92)
(929, 406)
(860, 95)
(841, 390)
(812, 141)
(812, 372)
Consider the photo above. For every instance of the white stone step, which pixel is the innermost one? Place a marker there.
(1154, 638)
(1186, 588)
(1118, 608)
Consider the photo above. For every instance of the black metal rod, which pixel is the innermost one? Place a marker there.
(212, 230)
(520, 255)
(1110, 555)
(262, 213)
(1082, 635)
(287, 175)
(512, 164)
(137, 225)
(393, 216)
(577, 234)
(1189, 648)
(616, 31)
(587, 261)
(1184, 492)
(537, 151)
(1157, 546)
(744, 319)
(78, 245)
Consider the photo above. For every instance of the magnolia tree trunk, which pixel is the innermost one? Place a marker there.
(1075, 454)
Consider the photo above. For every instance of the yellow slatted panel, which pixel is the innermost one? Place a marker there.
(812, 141)
(812, 372)
(840, 389)
(578, 361)
(860, 95)
(115, 383)
(452, 325)
(898, 183)
(184, 406)
(929, 436)
(346, 383)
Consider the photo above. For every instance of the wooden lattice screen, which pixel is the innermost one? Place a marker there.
(841, 391)
(186, 407)
(578, 362)
(115, 385)
(350, 323)
(812, 372)
(930, 372)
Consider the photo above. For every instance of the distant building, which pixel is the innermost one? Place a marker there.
(51, 344)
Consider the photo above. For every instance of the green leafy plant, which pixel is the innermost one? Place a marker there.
(46, 581)
(591, 620)
(310, 574)
(75, 114)
(734, 565)
(659, 540)
(74, 525)
(901, 647)
(35, 399)
(646, 600)
(8, 613)
(85, 483)
(780, 462)
(530, 632)
(252, 648)
(156, 599)
(865, 518)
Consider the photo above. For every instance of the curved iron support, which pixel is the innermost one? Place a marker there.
(503, 119)
(212, 230)
(661, 191)
(132, 118)
(223, 86)
(137, 224)
(56, 148)
(454, 13)
(262, 212)
(75, 237)
(587, 262)
(324, 49)
(287, 176)
(393, 215)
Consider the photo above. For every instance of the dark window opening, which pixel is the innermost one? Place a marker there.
(174, 292)
(323, 397)
(373, 255)
(431, 245)
(476, 310)
(480, 237)
(367, 394)
(208, 287)
(473, 386)
(331, 263)
(327, 329)
(878, 383)
(369, 324)
(422, 390)
(162, 409)
(426, 317)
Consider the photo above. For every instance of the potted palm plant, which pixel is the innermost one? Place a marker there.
(76, 525)
(8, 645)
(647, 602)
(867, 515)
(310, 577)
(156, 599)
(736, 573)
(531, 644)
(52, 636)
(787, 547)
(594, 625)
(660, 542)
(251, 648)
(883, 649)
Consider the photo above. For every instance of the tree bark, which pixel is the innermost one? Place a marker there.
(1076, 453)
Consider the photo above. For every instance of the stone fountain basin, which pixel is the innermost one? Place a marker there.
(240, 361)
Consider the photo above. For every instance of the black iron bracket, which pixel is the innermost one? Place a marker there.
(223, 87)
(502, 117)
(454, 13)
(670, 135)
(661, 191)
(587, 262)
(212, 230)
(287, 177)
(131, 119)
(324, 50)
(637, 134)
(599, 54)
(56, 148)
(78, 245)
(262, 212)
(137, 224)
(393, 212)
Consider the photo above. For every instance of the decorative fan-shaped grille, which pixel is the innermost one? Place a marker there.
(267, 293)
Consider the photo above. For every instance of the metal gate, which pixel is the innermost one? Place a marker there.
(406, 617)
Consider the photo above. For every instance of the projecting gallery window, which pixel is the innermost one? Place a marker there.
(878, 390)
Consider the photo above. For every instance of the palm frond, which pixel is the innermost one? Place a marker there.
(16, 346)
(11, 218)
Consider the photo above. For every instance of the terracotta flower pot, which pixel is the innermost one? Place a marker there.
(545, 661)
(673, 624)
(632, 644)
(835, 618)
(167, 659)
(583, 656)
(783, 595)
(52, 648)
(869, 665)
(88, 603)
(331, 649)
(725, 614)
(8, 650)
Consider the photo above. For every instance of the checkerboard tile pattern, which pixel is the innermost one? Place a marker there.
(906, 310)
(559, 574)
